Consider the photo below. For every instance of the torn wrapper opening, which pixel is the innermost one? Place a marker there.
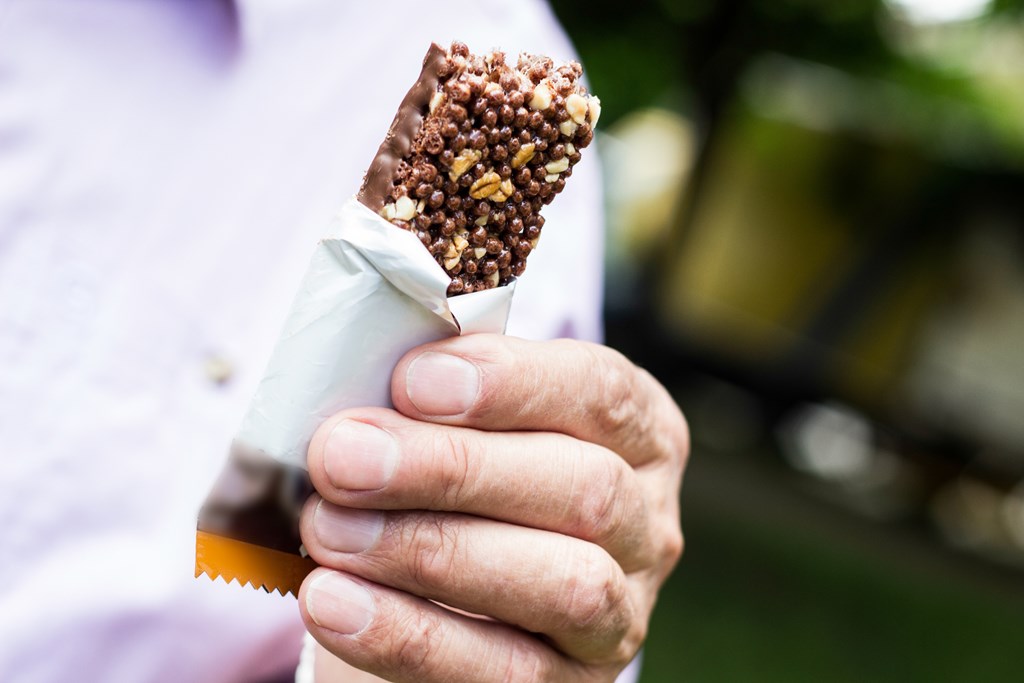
(370, 294)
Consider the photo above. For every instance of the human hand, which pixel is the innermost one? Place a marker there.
(530, 486)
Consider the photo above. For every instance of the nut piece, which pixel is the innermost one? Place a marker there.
(436, 100)
(465, 161)
(595, 110)
(557, 166)
(485, 185)
(495, 147)
(405, 208)
(541, 97)
(524, 155)
(503, 192)
(577, 107)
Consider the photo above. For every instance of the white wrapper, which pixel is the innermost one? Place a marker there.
(371, 293)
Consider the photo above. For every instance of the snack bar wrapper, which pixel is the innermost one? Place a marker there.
(431, 246)
(370, 294)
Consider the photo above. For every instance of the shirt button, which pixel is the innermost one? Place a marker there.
(218, 369)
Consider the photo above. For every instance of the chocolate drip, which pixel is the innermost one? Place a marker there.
(397, 145)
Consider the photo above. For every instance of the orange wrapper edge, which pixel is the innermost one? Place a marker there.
(231, 560)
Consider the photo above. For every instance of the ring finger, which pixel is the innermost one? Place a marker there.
(569, 590)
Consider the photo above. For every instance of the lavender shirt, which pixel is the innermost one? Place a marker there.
(165, 168)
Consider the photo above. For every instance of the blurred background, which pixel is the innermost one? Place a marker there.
(816, 241)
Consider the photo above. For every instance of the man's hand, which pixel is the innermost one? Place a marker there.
(531, 487)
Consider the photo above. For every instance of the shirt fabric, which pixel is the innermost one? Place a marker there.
(166, 167)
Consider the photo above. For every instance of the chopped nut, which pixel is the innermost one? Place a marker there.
(595, 110)
(503, 192)
(577, 107)
(557, 166)
(485, 185)
(463, 162)
(436, 101)
(496, 146)
(524, 155)
(541, 96)
(405, 208)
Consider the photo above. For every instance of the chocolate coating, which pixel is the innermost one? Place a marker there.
(481, 145)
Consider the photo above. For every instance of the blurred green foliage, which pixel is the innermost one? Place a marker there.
(702, 46)
(1015, 7)
(911, 117)
(752, 602)
(693, 55)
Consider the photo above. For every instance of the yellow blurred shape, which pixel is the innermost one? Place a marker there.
(647, 156)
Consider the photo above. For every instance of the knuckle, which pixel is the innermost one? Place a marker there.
(617, 411)
(601, 513)
(428, 546)
(522, 663)
(456, 469)
(672, 547)
(595, 596)
(675, 545)
(631, 643)
(682, 434)
(672, 438)
(412, 646)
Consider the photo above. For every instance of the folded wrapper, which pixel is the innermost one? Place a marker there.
(371, 293)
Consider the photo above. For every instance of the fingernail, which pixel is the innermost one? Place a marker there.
(360, 457)
(339, 604)
(346, 530)
(439, 384)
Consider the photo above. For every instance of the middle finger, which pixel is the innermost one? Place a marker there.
(380, 459)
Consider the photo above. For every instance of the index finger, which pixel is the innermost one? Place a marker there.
(499, 383)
